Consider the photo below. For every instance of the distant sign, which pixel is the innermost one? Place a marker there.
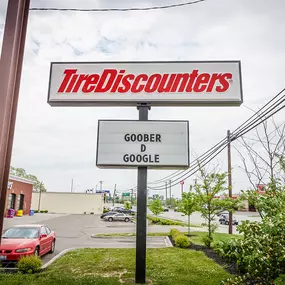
(156, 144)
(180, 83)
(126, 194)
(103, 191)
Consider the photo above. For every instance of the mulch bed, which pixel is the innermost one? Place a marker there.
(210, 253)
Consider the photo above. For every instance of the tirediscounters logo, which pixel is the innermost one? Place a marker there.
(156, 83)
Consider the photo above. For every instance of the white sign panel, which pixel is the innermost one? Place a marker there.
(156, 144)
(157, 83)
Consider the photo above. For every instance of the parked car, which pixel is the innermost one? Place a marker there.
(128, 212)
(176, 209)
(165, 209)
(24, 240)
(118, 217)
(108, 214)
(224, 220)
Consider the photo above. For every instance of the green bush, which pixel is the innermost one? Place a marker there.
(174, 233)
(42, 211)
(105, 210)
(165, 222)
(29, 264)
(45, 211)
(36, 211)
(207, 241)
(182, 241)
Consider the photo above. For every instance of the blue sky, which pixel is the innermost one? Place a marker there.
(58, 144)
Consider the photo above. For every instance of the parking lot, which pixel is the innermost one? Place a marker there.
(76, 231)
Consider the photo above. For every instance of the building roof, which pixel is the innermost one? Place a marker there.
(20, 179)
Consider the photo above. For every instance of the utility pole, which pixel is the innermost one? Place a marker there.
(165, 193)
(132, 193)
(101, 183)
(170, 193)
(230, 180)
(71, 189)
(40, 197)
(114, 194)
(182, 184)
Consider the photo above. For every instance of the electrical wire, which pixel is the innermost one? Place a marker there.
(247, 126)
(119, 9)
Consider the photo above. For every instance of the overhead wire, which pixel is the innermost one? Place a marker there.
(247, 126)
(118, 9)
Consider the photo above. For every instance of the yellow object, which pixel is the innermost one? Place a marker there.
(19, 213)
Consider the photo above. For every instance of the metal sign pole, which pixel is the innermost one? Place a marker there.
(141, 211)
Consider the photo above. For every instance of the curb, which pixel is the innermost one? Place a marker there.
(168, 242)
(110, 237)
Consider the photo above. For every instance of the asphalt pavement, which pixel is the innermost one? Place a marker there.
(74, 231)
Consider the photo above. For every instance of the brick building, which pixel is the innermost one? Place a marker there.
(19, 194)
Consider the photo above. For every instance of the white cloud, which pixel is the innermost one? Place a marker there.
(59, 143)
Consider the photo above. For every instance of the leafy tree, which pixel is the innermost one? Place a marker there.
(210, 206)
(20, 172)
(260, 254)
(189, 204)
(156, 207)
(128, 205)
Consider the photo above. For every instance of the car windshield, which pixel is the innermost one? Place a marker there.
(29, 233)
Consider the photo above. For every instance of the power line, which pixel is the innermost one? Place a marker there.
(119, 9)
(248, 125)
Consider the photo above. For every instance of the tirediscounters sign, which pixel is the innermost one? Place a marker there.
(156, 144)
(157, 83)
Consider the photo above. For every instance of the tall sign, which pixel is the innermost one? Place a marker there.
(176, 83)
(144, 144)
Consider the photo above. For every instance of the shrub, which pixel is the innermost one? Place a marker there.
(42, 211)
(174, 233)
(207, 240)
(165, 222)
(104, 210)
(45, 211)
(36, 211)
(29, 264)
(182, 241)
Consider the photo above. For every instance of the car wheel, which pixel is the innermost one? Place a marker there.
(110, 219)
(37, 252)
(127, 220)
(227, 223)
(52, 246)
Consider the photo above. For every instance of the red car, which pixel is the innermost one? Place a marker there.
(19, 241)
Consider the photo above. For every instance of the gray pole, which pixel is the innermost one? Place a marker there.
(114, 195)
(170, 193)
(40, 196)
(165, 193)
(230, 180)
(141, 211)
(71, 189)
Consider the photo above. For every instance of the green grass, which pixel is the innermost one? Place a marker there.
(165, 266)
(197, 239)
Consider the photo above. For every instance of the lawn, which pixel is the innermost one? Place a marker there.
(166, 266)
(196, 238)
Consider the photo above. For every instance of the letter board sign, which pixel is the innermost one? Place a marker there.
(177, 83)
(155, 144)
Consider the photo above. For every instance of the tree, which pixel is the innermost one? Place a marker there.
(20, 172)
(189, 204)
(209, 204)
(156, 207)
(262, 153)
(128, 205)
(260, 254)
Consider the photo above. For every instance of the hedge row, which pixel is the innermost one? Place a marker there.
(179, 238)
(41, 211)
(165, 222)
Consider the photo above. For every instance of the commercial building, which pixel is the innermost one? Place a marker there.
(68, 202)
(19, 194)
